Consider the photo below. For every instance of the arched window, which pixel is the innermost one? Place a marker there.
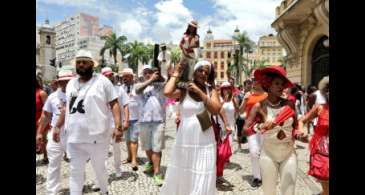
(320, 61)
(48, 40)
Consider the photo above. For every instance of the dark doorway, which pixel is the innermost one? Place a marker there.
(320, 61)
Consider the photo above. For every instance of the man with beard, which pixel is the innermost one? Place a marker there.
(90, 97)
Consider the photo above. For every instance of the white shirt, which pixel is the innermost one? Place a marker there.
(87, 120)
(123, 101)
(153, 101)
(229, 110)
(53, 105)
(134, 102)
(164, 55)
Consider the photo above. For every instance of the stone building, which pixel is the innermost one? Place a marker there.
(303, 30)
(219, 53)
(269, 50)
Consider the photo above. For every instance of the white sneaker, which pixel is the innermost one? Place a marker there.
(118, 174)
(95, 187)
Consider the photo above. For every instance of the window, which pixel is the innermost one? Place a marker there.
(208, 45)
(215, 64)
(215, 54)
(229, 54)
(48, 40)
(222, 65)
(222, 54)
(222, 75)
(208, 54)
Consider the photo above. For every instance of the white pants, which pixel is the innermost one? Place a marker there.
(278, 159)
(116, 154)
(55, 153)
(79, 154)
(254, 146)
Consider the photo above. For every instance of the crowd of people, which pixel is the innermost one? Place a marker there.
(88, 111)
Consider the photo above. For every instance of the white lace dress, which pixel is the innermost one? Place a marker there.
(192, 169)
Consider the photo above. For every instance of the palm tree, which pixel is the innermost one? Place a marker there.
(147, 53)
(114, 44)
(256, 65)
(175, 55)
(245, 43)
(136, 51)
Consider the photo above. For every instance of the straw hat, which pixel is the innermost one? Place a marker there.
(65, 75)
(84, 55)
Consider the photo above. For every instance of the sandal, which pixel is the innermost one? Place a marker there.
(126, 161)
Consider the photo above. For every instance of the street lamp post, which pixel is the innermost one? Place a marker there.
(237, 59)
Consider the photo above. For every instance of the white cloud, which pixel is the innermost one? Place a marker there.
(253, 16)
(171, 21)
(70, 2)
(168, 19)
(172, 13)
(131, 28)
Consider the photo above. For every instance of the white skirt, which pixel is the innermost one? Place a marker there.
(192, 169)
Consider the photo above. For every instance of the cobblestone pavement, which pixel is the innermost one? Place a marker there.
(237, 173)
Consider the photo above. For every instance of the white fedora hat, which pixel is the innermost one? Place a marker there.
(126, 71)
(193, 23)
(86, 55)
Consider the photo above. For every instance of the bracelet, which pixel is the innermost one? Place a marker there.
(175, 75)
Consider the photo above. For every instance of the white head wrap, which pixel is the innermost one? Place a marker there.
(202, 63)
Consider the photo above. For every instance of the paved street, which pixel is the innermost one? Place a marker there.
(237, 173)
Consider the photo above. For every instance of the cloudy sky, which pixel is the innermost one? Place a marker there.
(166, 20)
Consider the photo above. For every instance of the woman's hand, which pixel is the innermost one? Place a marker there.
(228, 129)
(269, 124)
(195, 89)
(56, 134)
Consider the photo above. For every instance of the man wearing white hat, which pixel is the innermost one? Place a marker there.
(152, 120)
(56, 145)
(89, 99)
(123, 101)
(132, 133)
(164, 59)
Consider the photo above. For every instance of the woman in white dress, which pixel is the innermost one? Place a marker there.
(228, 112)
(192, 169)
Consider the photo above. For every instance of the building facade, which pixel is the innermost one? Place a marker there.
(94, 44)
(68, 33)
(105, 31)
(219, 53)
(46, 52)
(303, 30)
(269, 50)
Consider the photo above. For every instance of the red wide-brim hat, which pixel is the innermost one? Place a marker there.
(260, 75)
